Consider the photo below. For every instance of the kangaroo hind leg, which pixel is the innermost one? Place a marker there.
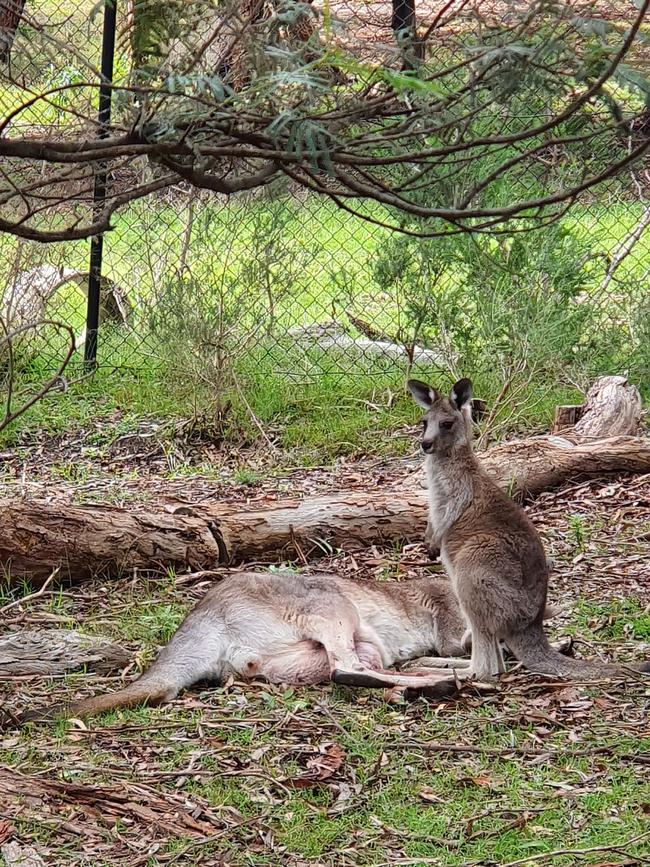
(349, 656)
(487, 656)
(301, 663)
(191, 655)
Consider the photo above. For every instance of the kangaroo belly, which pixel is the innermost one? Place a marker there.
(302, 663)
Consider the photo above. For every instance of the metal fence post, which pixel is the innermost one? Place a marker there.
(99, 191)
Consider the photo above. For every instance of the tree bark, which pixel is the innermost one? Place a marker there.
(11, 13)
(55, 651)
(88, 540)
(91, 540)
(528, 467)
(27, 299)
(612, 408)
(566, 417)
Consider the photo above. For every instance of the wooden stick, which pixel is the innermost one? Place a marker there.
(35, 595)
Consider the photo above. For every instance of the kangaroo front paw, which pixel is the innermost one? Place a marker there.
(431, 542)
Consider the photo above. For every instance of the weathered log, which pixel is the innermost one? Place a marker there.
(528, 467)
(56, 651)
(25, 302)
(88, 540)
(91, 540)
(612, 408)
(330, 336)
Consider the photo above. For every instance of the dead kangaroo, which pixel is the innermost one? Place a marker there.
(298, 629)
(489, 548)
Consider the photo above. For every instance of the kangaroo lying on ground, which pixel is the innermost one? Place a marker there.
(489, 548)
(298, 629)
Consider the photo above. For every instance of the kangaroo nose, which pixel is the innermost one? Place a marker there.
(427, 446)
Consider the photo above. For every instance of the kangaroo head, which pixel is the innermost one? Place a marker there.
(447, 421)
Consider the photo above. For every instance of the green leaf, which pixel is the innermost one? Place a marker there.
(632, 77)
(279, 124)
(404, 82)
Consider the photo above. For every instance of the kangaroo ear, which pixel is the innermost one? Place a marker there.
(479, 409)
(423, 394)
(461, 393)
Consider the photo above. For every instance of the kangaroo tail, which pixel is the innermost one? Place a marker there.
(534, 651)
(144, 690)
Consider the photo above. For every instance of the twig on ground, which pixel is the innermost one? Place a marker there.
(32, 596)
(619, 849)
(504, 751)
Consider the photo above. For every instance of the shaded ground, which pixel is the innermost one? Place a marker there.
(260, 774)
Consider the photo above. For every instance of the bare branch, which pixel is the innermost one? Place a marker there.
(9, 338)
(430, 144)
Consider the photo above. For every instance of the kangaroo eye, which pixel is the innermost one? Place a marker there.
(446, 425)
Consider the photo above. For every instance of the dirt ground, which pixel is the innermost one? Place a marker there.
(260, 774)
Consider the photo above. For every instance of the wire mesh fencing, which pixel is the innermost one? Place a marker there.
(286, 278)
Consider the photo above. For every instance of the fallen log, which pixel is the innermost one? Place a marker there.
(95, 539)
(91, 540)
(56, 651)
(26, 300)
(330, 336)
(528, 467)
(602, 441)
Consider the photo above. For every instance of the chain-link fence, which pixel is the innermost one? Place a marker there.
(286, 278)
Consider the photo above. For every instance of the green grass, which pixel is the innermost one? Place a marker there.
(476, 807)
(145, 246)
(392, 798)
(321, 404)
(623, 618)
(328, 415)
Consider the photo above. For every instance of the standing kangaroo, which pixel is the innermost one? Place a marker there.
(489, 548)
(297, 629)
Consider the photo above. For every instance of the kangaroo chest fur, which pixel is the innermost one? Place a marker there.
(450, 493)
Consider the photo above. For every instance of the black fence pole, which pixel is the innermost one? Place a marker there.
(99, 192)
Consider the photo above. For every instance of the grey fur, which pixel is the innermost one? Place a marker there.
(296, 629)
(489, 548)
